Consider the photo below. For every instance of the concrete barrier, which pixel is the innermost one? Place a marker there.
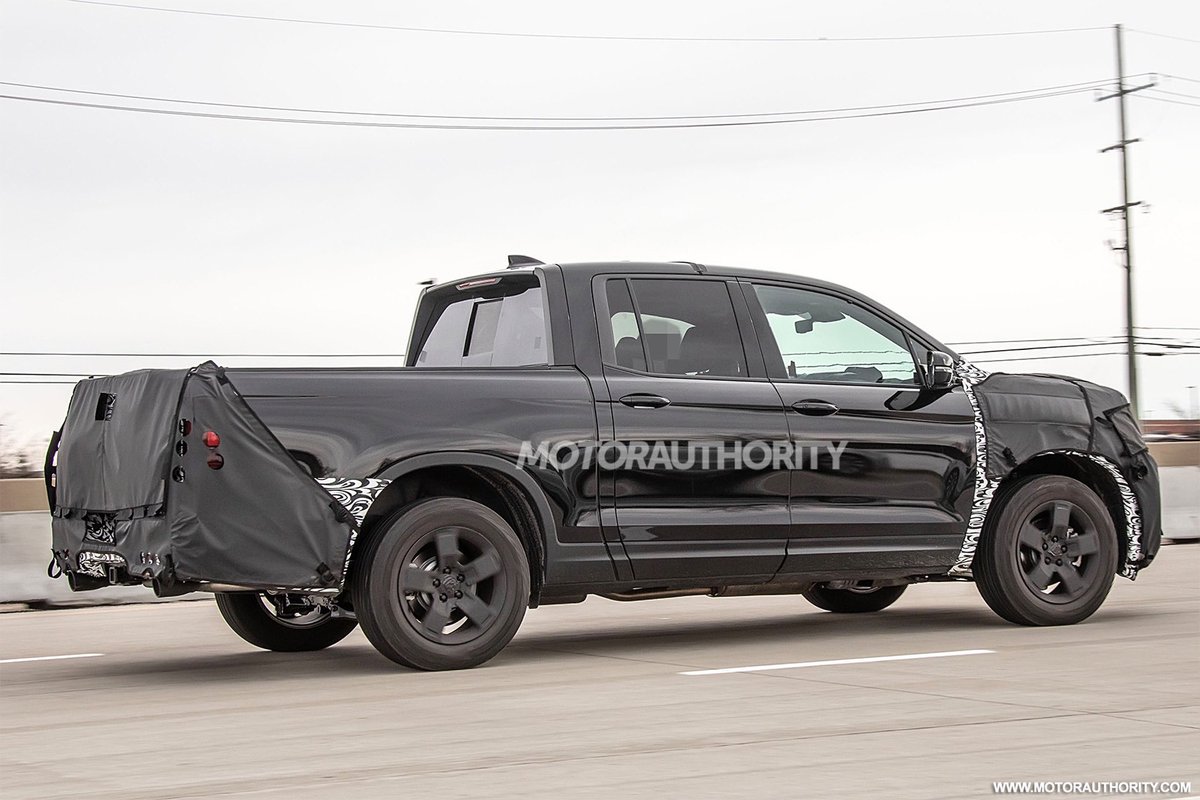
(1176, 454)
(24, 556)
(29, 494)
(23, 494)
(25, 539)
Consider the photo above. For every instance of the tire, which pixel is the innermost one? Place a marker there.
(859, 600)
(267, 622)
(1048, 554)
(442, 584)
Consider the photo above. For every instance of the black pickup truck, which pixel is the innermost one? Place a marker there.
(630, 430)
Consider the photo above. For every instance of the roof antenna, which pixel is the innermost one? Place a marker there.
(516, 262)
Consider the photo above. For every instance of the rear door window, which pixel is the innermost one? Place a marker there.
(675, 327)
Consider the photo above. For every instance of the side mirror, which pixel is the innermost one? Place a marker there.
(939, 370)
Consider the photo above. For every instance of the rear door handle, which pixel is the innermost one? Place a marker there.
(638, 400)
(815, 408)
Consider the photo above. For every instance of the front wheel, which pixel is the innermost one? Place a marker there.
(861, 598)
(282, 622)
(443, 584)
(1048, 555)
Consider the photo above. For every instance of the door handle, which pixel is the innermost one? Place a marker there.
(639, 400)
(815, 408)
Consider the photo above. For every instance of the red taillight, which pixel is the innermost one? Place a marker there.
(216, 461)
(211, 439)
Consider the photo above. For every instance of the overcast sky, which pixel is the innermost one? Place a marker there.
(134, 232)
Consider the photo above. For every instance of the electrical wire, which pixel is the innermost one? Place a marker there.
(1023, 341)
(1176, 94)
(591, 37)
(48, 374)
(204, 355)
(1131, 30)
(1108, 343)
(1188, 347)
(440, 126)
(1082, 85)
(1165, 100)
(1079, 355)
(43, 382)
(1053, 341)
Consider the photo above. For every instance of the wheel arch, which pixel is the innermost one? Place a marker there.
(1080, 467)
(496, 483)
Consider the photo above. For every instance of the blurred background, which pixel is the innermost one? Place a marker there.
(137, 218)
(269, 183)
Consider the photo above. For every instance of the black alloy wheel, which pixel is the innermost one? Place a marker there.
(282, 622)
(863, 597)
(442, 584)
(452, 585)
(1048, 552)
(1056, 548)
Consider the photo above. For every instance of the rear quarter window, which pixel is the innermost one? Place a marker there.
(496, 328)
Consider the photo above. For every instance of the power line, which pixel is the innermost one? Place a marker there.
(1109, 343)
(1157, 342)
(48, 374)
(1022, 341)
(1176, 94)
(1166, 100)
(1054, 340)
(1131, 30)
(946, 106)
(591, 37)
(204, 355)
(1179, 77)
(40, 382)
(1079, 355)
(1083, 85)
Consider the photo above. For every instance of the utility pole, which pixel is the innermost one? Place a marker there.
(1127, 248)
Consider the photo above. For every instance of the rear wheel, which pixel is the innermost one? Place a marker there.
(862, 597)
(442, 585)
(283, 622)
(1048, 554)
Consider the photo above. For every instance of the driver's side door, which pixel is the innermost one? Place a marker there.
(892, 478)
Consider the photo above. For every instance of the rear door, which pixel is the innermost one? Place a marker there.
(890, 486)
(685, 378)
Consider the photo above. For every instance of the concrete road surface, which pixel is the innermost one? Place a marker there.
(589, 701)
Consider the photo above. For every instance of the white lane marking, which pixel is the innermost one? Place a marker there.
(48, 658)
(836, 662)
